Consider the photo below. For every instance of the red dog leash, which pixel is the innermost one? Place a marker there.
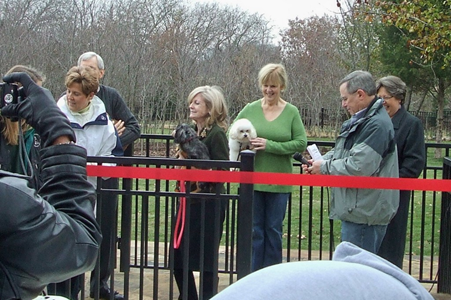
(180, 223)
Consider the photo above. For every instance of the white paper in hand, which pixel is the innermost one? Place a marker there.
(314, 152)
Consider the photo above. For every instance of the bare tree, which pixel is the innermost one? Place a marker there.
(309, 53)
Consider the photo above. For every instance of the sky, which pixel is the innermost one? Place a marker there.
(278, 12)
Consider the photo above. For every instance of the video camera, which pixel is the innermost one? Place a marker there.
(10, 94)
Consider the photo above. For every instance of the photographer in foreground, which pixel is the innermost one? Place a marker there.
(52, 236)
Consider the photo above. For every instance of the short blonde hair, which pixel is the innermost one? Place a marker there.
(274, 74)
(215, 102)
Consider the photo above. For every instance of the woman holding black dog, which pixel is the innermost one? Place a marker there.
(280, 133)
(210, 115)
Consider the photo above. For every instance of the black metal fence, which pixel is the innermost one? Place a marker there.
(429, 119)
(333, 117)
(148, 206)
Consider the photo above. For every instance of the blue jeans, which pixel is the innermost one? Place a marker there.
(368, 237)
(269, 212)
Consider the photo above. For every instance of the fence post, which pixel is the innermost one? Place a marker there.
(245, 212)
(444, 262)
(126, 224)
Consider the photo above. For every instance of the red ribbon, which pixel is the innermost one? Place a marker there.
(441, 185)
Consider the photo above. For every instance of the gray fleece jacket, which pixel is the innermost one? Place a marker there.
(353, 273)
(365, 147)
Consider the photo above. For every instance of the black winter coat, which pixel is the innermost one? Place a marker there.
(48, 237)
(409, 136)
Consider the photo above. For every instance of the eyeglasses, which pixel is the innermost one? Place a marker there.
(386, 97)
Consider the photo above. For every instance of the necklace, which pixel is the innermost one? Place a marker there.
(203, 133)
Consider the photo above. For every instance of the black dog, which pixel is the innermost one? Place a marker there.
(190, 145)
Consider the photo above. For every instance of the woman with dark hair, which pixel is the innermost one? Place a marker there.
(409, 136)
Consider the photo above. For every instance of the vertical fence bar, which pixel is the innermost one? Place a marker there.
(125, 240)
(245, 212)
(126, 224)
(444, 262)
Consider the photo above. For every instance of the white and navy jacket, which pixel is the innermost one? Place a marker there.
(94, 130)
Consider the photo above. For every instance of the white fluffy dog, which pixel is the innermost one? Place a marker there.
(240, 134)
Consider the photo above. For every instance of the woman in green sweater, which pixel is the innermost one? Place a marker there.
(210, 115)
(280, 134)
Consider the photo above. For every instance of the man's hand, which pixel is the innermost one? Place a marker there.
(120, 126)
(314, 168)
(39, 109)
(306, 167)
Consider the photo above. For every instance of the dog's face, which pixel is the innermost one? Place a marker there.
(184, 133)
(189, 143)
(242, 130)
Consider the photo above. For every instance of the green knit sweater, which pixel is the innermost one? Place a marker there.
(216, 142)
(285, 135)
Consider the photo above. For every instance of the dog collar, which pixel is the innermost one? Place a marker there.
(192, 138)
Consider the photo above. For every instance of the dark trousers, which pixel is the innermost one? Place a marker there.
(212, 223)
(107, 220)
(394, 243)
(207, 284)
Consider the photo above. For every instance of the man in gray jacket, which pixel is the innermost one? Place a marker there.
(364, 147)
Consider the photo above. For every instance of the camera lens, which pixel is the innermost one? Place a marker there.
(9, 98)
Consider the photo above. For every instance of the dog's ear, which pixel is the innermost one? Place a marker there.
(233, 134)
(253, 132)
(177, 136)
(178, 133)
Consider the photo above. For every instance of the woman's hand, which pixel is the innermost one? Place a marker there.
(259, 143)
